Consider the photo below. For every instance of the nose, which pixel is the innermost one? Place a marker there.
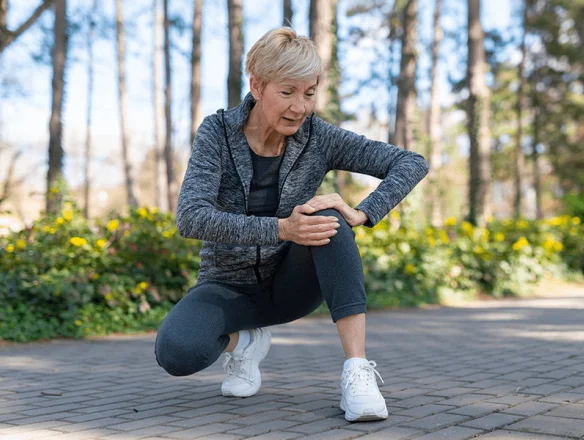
(298, 105)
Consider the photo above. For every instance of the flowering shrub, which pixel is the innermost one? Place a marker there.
(63, 277)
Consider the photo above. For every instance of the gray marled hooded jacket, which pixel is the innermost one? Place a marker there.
(212, 205)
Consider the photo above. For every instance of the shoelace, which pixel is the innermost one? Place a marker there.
(233, 366)
(365, 375)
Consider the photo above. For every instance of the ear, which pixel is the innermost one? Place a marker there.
(255, 86)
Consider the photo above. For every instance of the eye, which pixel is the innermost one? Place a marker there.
(286, 93)
(310, 95)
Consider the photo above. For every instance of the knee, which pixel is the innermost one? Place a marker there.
(179, 356)
(334, 213)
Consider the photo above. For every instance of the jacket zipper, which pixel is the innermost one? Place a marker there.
(258, 250)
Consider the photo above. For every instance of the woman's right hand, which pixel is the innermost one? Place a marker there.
(307, 230)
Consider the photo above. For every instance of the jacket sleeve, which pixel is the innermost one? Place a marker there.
(196, 213)
(399, 169)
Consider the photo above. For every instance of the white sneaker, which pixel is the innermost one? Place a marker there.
(361, 399)
(242, 373)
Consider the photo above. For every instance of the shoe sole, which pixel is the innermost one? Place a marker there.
(263, 353)
(367, 415)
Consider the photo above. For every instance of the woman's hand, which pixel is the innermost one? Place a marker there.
(354, 217)
(307, 230)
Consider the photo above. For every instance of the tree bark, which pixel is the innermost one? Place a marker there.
(158, 111)
(406, 97)
(59, 56)
(196, 112)
(536, 138)
(8, 37)
(394, 24)
(321, 16)
(288, 13)
(478, 121)
(171, 185)
(519, 158)
(434, 156)
(86, 178)
(234, 81)
(130, 186)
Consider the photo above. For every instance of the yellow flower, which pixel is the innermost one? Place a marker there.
(168, 234)
(143, 285)
(101, 243)
(499, 236)
(410, 269)
(522, 224)
(450, 221)
(126, 233)
(68, 214)
(520, 244)
(154, 210)
(431, 241)
(430, 232)
(486, 256)
(10, 248)
(467, 228)
(46, 228)
(486, 234)
(490, 219)
(576, 220)
(443, 236)
(20, 244)
(558, 246)
(54, 190)
(109, 297)
(478, 250)
(113, 225)
(52, 230)
(556, 221)
(78, 241)
(142, 212)
(78, 322)
(60, 221)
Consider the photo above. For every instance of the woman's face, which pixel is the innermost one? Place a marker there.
(285, 104)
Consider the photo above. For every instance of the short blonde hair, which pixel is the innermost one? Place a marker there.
(281, 54)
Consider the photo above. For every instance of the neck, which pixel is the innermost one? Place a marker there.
(264, 140)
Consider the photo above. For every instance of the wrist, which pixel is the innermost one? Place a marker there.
(282, 233)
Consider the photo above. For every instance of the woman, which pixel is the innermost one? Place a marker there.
(272, 250)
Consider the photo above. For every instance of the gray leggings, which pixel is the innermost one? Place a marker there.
(196, 331)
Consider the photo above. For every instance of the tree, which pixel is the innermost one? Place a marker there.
(90, 38)
(519, 159)
(234, 81)
(130, 185)
(196, 112)
(157, 110)
(478, 120)
(287, 12)
(59, 57)
(8, 37)
(406, 98)
(320, 22)
(171, 184)
(434, 156)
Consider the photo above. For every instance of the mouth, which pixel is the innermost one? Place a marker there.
(291, 120)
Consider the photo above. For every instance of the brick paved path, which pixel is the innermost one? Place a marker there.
(492, 370)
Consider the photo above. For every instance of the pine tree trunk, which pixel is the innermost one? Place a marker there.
(519, 158)
(434, 156)
(287, 10)
(158, 111)
(320, 32)
(59, 56)
(130, 186)
(234, 81)
(8, 37)
(86, 178)
(406, 98)
(171, 185)
(3, 14)
(536, 177)
(394, 25)
(196, 112)
(478, 121)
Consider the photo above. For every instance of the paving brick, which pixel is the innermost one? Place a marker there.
(262, 428)
(492, 421)
(423, 411)
(277, 435)
(478, 409)
(511, 435)
(319, 426)
(550, 425)
(530, 408)
(393, 433)
(570, 411)
(437, 421)
(452, 433)
(202, 431)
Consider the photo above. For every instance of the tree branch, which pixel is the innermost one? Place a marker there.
(7, 37)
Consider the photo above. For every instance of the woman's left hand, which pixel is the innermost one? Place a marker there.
(354, 217)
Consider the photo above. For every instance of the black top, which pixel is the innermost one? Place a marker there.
(263, 192)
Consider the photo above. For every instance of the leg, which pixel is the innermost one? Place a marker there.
(334, 271)
(195, 332)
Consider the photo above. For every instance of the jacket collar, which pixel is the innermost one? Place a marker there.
(235, 118)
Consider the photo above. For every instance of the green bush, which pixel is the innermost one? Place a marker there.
(63, 277)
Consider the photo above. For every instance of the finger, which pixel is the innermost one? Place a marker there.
(324, 227)
(305, 209)
(319, 220)
(321, 235)
(318, 242)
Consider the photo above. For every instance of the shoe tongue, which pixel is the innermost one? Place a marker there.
(355, 362)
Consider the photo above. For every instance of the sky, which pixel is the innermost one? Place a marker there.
(24, 119)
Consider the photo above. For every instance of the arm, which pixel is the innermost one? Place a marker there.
(196, 214)
(401, 170)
